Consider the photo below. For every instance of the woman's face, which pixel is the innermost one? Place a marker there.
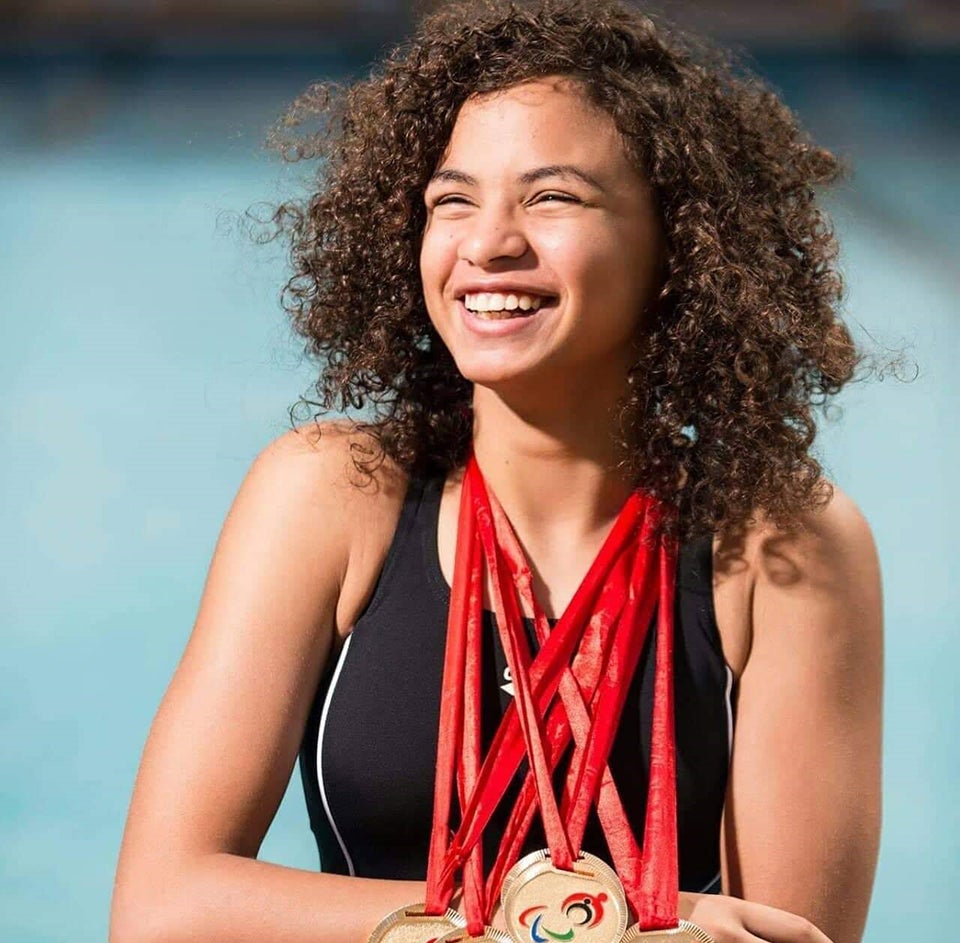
(534, 197)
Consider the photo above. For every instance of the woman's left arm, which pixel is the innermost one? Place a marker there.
(802, 816)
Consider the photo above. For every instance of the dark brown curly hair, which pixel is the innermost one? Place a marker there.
(718, 420)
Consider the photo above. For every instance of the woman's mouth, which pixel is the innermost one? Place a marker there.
(504, 315)
(496, 306)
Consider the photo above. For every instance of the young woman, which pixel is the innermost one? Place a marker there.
(561, 238)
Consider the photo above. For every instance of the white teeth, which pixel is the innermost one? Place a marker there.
(497, 301)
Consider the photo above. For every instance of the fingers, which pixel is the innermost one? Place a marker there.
(779, 926)
(732, 920)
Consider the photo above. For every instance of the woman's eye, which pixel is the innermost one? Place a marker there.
(541, 198)
(559, 197)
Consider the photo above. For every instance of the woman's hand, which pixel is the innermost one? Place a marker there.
(731, 920)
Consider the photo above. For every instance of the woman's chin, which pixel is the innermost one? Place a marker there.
(494, 373)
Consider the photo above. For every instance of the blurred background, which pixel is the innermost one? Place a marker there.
(144, 361)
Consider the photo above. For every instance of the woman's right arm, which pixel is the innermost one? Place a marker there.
(282, 582)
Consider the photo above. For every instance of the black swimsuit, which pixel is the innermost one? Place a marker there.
(369, 749)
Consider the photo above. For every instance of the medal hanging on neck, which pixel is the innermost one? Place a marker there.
(562, 893)
(589, 656)
(559, 893)
(583, 634)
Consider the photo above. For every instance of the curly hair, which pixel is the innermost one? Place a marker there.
(718, 419)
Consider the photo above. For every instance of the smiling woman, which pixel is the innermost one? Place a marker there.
(574, 203)
(563, 630)
(744, 338)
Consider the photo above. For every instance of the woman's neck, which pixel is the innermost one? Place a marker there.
(553, 470)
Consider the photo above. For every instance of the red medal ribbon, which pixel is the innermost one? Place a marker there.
(589, 656)
(587, 669)
(507, 749)
(594, 739)
(466, 579)
(593, 730)
(660, 868)
(474, 902)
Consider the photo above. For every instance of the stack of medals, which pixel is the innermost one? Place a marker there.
(572, 692)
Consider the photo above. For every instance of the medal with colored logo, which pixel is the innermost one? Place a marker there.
(544, 904)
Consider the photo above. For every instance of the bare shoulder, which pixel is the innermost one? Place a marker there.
(826, 559)
(324, 456)
(319, 469)
(829, 549)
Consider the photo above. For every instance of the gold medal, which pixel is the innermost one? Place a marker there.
(489, 935)
(684, 932)
(411, 925)
(542, 904)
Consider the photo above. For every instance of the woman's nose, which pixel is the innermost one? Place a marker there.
(493, 234)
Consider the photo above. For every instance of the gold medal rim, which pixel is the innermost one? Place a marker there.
(543, 855)
(600, 867)
(683, 929)
(491, 934)
(411, 910)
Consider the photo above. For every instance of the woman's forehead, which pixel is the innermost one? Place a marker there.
(535, 123)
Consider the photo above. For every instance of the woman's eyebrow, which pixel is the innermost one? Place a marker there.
(449, 175)
(560, 170)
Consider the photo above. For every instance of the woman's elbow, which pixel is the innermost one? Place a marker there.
(146, 911)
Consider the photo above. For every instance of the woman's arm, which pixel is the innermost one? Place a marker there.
(802, 816)
(224, 741)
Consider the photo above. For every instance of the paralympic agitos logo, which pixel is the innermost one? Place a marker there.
(580, 911)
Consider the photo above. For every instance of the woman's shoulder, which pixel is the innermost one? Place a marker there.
(772, 574)
(822, 541)
(352, 511)
(329, 451)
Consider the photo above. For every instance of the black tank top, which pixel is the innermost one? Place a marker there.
(368, 755)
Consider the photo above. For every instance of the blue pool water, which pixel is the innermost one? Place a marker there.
(145, 361)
